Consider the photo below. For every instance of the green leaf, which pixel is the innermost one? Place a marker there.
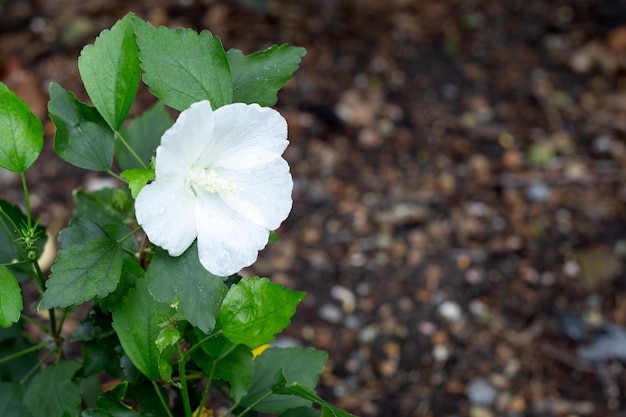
(21, 132)
(101, 356)
(11, 302)
(96, 412)
(137, 179)
(80, 230)
(255, 309)
(101, 350)
(168, 336)
(105, 207)
(90, 389)
(301, 412)
(110, 71)
(111, 209)
(12, 341)
(236, 368)
(95, 326)
(135, 321)
(143, 135)
(10, 248)
(111, 402)
(147, 399)
(258, 77)
(165, 366)
(307, 393)
(131, 272)
(82, 272)
(182, 66)
(233, 364)
(83, 138)
(52, 392)
(11, 403)
(302, 365)
(184, 282)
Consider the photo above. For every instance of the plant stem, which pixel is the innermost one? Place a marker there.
(8, 231)
(197, 345)
(38, 276)
(205, 392)
(24, 262)
(114, 175)
(182, 361)
(123, 238)
(27, 198)
(131, 150)
(37, 366)
(53, 320)
(34, 322)
(26, 351)
(250, 407)
(163, 403)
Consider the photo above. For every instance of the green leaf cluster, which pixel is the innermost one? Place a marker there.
(162, 328)
(180, 67)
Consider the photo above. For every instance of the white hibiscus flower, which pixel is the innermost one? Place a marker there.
(220, 178)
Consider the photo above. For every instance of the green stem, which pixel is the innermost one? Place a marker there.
(38, 276)
(131, 150)
(27, 198)
(197, 345)
(123, 238)
(62, 321)
(183, 382)
(163, 403)
(24, 262)
(36, 367)
(8, 231)
(114, 175)
(26, 351)
(34, 322)
(53, 320)
(205, 392)
(250, 407)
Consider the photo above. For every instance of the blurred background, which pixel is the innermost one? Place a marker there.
(459, 168)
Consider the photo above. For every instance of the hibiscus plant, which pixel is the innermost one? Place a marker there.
(151, 268)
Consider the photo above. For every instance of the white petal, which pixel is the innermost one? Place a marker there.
(182, 144)
(246, 135)
(226, 241)
(264, 193)
(166, 211)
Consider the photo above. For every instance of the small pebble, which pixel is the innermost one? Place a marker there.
(352, 322)
(440, 353)
(450, 311)
(537, 192)
(480, 392)
(479, 309)
(473, 276)
(347, 298)
(426, 328)
(330, 313)
(368, 334)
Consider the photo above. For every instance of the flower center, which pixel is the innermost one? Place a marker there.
(209, 180)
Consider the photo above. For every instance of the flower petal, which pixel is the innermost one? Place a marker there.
(264, 195)
(227, 242)
(246, 135)
(182, 144)
(166, 211)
